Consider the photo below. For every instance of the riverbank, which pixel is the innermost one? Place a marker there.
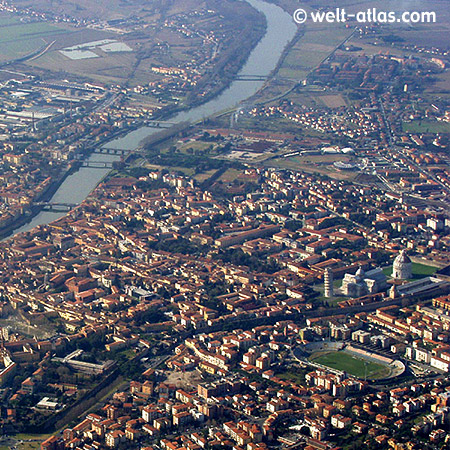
(280, 30)
(32, 211)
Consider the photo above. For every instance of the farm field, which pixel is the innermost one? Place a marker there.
(441, 86)
(111, 68)
(316, 43)
(18, 39)
(332, 101)
(143, 40)
(355, 366)
(308, 53)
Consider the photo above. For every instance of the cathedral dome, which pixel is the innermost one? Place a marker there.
(359, 274)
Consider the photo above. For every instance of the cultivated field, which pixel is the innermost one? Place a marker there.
(441, 86)
(141, 26)
(19, 39)
(332, 101)
(315, 45)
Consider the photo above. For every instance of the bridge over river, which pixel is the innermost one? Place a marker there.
(55, 207)
(250, 77)
(263, 59)
(98, 164)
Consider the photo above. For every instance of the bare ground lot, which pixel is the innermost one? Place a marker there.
(332, 101)
(184, 380)
(320, 164)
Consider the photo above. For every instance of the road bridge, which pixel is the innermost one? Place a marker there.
(160, 124)
(250, 78)
(111, 151)
(98, 164)
(56, 206)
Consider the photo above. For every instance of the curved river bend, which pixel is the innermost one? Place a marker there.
(263, 59)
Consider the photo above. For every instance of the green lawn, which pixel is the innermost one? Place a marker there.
(295, 377)
(35, 438)
(418, 271)
(334, 301)
(8, 20)
(351, 364)
(421, 270)
(29, 446)
(426, 126)
(26, 436)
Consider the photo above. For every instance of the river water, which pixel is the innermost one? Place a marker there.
(263, 59)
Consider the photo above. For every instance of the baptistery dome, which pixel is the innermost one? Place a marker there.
(402, 268)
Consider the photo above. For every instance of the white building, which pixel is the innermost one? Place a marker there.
(402, 268)
(363, 283)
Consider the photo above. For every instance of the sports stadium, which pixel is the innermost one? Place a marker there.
(339, 357)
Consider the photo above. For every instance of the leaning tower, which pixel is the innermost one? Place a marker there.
(328, 283)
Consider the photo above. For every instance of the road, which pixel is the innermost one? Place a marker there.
(107, 102)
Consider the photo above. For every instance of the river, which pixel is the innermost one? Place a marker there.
(263, 59)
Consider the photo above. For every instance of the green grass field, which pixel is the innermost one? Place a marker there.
(421, 270)
(27, 31)
(294, 377)
(351, 364)
(21, 441)
(418, 271)
(316, 44)
(425, 126)
(295, 163)
(18, 39)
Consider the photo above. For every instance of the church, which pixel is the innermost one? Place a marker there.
(402, 268)
(364, 283)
